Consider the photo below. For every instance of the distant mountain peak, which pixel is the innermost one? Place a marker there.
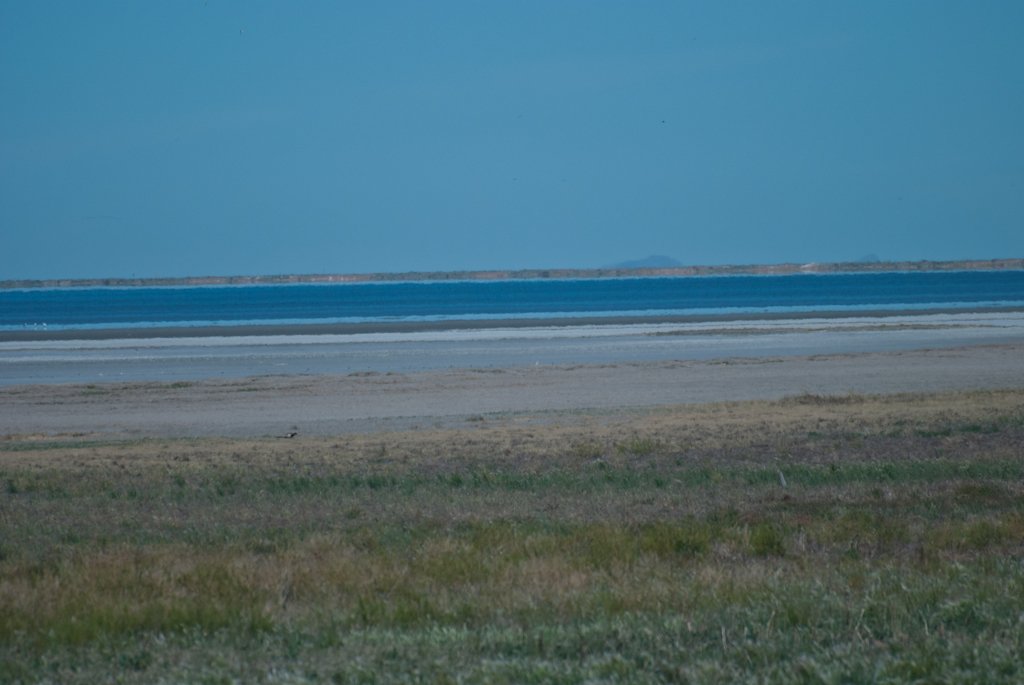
(652, 262)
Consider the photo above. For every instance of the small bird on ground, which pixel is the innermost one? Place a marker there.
(782, 478)
(288, 435)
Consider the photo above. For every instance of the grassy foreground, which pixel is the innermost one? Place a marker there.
(655, 546)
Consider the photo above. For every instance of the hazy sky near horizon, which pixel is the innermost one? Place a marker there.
(194, 138)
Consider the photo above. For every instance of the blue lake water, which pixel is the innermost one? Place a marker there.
(141, 307)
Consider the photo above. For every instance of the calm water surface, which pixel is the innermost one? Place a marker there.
(140, 307)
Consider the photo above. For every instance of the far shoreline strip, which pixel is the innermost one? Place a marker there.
(461, 324)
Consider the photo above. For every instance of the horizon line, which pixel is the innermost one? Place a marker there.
(786, 268)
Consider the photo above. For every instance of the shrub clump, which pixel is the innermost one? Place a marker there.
(766, 541)
(640, 446)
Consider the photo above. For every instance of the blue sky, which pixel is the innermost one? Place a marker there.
(192, 138)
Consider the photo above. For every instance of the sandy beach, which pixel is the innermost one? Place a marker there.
(366, 402)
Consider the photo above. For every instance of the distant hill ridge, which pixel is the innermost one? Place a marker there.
(618, 271)
(652, 262)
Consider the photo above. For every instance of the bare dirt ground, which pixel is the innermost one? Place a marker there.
(335, 404)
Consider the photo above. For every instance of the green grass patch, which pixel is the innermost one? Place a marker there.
(648, 565)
